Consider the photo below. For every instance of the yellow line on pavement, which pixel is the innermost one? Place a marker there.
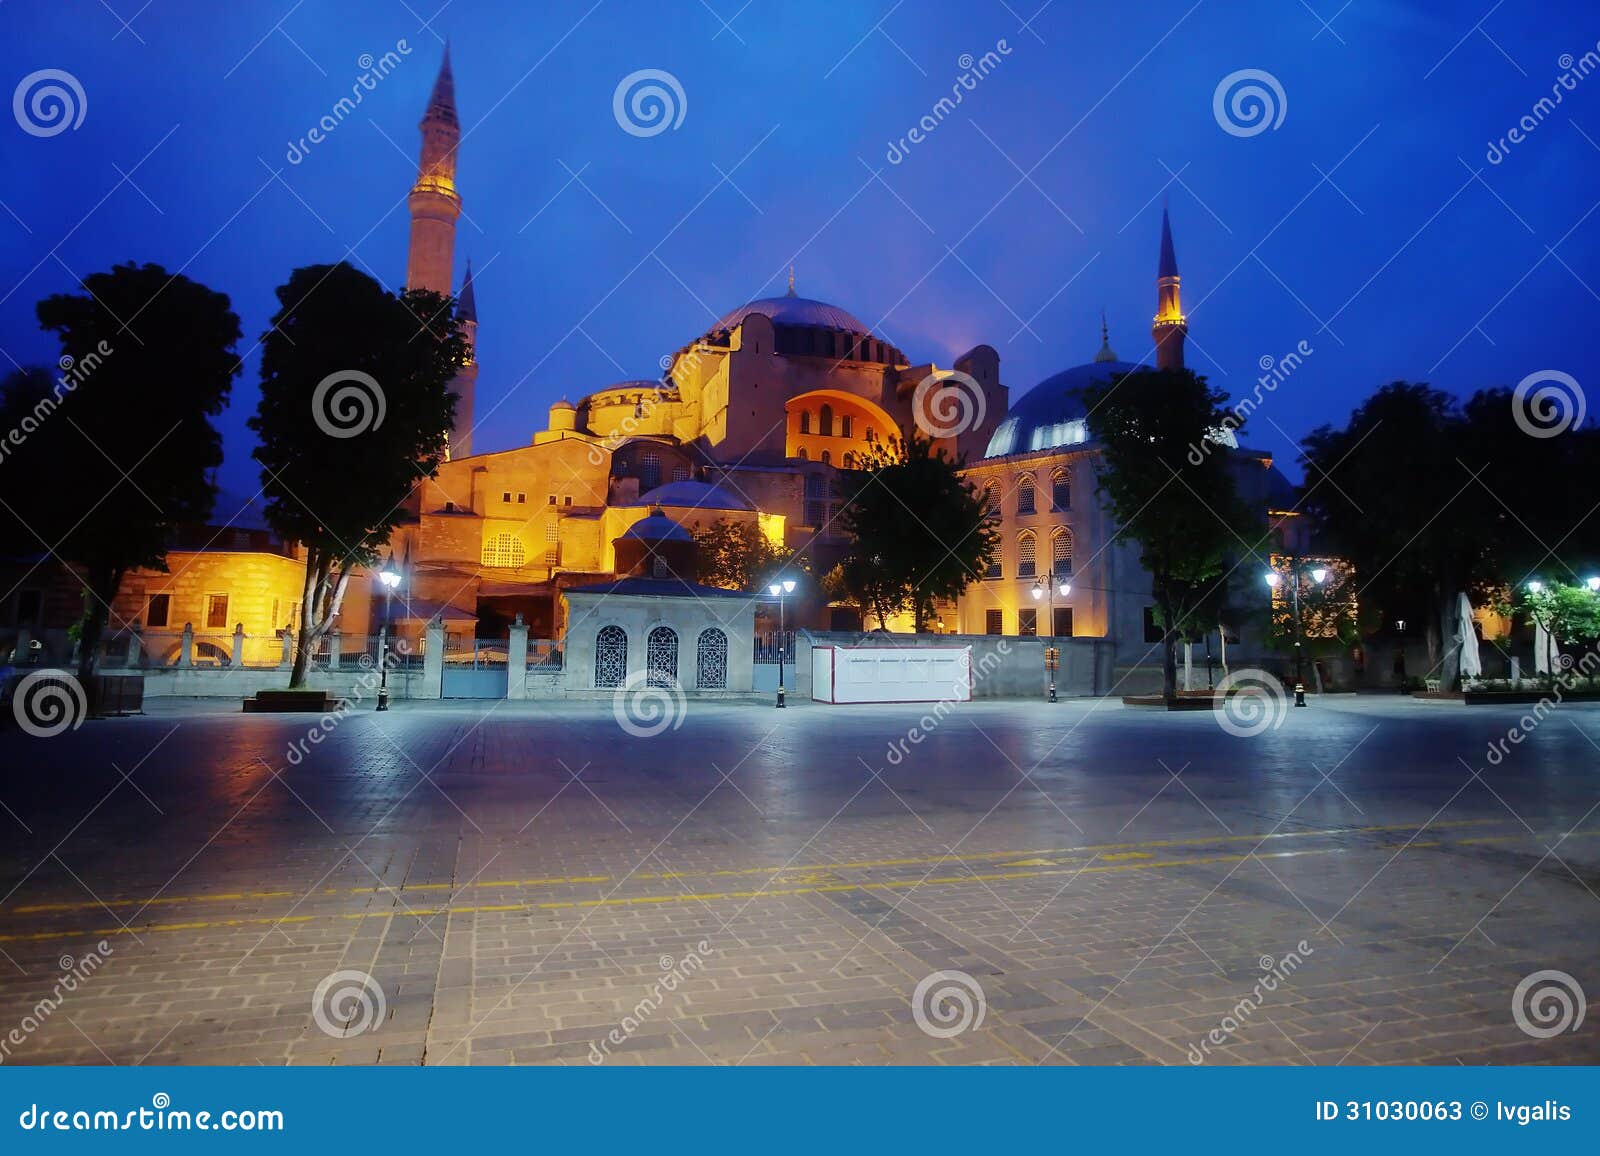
(700, 897)
(734, 872)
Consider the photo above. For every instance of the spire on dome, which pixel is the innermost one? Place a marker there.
(1106, 352)
(791, 292)
(442, 104)
(466, 302)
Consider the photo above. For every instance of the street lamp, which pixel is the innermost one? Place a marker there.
(1047, 588)
(1593, 584)
(778, 589)
(389, 578)
(1319, 575)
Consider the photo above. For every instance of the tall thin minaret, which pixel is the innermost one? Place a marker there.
(465, 382)
(1171, 327)
(435, 204)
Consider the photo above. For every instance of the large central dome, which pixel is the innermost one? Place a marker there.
(794, 311)
(1052, 414)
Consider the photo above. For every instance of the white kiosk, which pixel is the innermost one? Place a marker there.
(844, 674)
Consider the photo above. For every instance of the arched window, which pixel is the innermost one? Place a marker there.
(504, 550)
(827, 458)
(825, 421)
(1025, 494)
(849, 460)
(661, 656)
(1026, 564)
(802, 454)
(1061, 551)
(872, 436)
(991, 500)
(649, 470)
(1061, 490)
(844, 425)
(610, 656)
(805, 421)
(711, 660)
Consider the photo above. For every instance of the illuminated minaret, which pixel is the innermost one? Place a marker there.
(1170, 327)
(434, 202)
(465, 382)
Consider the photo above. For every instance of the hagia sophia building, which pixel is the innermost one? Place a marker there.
(751, 422)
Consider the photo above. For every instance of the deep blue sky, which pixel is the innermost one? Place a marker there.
(582, 284)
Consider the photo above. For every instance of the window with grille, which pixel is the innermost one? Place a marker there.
(610, 656)
(216, 612)
(649, 470)
(994, 570)
(993, 622)
(680, 473)
(504, 550)
(661, 655)
(1025, 494)
(1028, 621)
(991, 500)
(1061, 490)
(552, 542)
(1064, 621)
(1061, 551)
(1027, 565)
(711, 660)
(160, 606)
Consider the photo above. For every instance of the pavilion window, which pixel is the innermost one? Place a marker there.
(1026, 561)
(1061, 551)
(1025, 494)
(1061, 490)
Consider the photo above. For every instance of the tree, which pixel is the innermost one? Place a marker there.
(737, 556)
(355, 405)
(117, 451)
(920, 529)
(1571, 613)
(1393, 492)
(1171, 489)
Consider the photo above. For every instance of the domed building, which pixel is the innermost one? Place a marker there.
(751, 423)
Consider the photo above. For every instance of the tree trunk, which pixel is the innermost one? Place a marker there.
(101, 588)
(317, 565)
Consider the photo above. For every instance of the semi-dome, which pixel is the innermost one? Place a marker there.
(695, 495)
(1052, 413)
(794, 311)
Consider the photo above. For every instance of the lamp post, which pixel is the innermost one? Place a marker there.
(1047, 588)
(778, 589)
(1319, 575)
(389, 578)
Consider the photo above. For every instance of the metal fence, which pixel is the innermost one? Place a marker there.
(770, 645)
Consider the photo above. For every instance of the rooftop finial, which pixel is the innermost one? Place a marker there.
(791, 280)
(1106, 352)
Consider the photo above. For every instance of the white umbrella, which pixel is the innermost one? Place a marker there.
(1471, 663)
(1541, 649)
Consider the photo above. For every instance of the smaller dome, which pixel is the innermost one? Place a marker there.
(694, 495)
(656, 527)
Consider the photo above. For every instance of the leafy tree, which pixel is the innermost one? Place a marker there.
(919, 528)
(1172, 491)
(1571, 613)
(737, 556)
(117, 450)
(355, 405)
(1393, 492)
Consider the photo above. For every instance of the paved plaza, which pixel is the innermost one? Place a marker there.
(523, 883)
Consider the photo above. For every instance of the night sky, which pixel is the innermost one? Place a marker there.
(1357, 224)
